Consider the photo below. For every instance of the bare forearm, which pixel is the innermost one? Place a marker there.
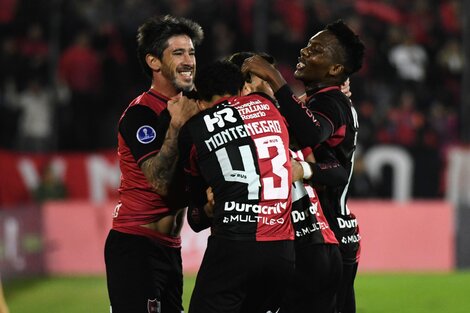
(276, 80)
(266, 71)
(160, 168)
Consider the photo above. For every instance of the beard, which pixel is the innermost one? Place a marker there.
(179, 83)
(181, 86)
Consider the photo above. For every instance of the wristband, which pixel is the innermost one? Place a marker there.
(307, 170)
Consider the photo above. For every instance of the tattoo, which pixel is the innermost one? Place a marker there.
(160, 168)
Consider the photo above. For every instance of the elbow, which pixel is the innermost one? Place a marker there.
(196, 228)
(342, 180)
(162, 190)
(197, 220)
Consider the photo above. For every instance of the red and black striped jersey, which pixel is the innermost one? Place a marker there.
(240, 148)
(310, 223)
(142, 130)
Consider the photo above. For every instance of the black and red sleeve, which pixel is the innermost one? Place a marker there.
(327, 171)
(143, 131)
(308, 129)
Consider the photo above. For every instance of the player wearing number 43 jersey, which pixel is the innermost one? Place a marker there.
(239, 146)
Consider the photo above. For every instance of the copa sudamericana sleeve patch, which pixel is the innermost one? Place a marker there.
(143, 131)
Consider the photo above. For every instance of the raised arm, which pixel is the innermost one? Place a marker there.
(160, 168)
(265, 70)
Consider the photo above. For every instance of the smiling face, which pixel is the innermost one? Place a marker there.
(319, 61)
(178, 64)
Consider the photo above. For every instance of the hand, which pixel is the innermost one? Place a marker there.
(345, 88)
(264, 70)
(297, 171)
(310, 158)
(209, 207)
(181, 109)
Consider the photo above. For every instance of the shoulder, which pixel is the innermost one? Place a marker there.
(262, 96)
(333, 101)
(137, 112)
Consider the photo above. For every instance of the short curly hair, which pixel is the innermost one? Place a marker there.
(353, 47)
(218, 78)
(153, 35)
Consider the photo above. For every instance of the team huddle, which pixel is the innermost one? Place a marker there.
(234, 150)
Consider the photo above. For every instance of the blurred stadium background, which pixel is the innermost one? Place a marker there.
(68, 69)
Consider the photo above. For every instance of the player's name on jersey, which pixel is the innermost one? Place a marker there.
(241, 131)
(276, 208)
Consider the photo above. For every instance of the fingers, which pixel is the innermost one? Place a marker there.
(346, 88)
(250, 64)
(175, 99)
(209, 207)
(178, 96)
(181, 109)
(210, 196)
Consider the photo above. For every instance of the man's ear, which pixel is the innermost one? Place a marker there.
(336, 69)
(153, 62)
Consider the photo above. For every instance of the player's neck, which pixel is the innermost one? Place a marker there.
(164, 87)
(314, 88)
(204, 105)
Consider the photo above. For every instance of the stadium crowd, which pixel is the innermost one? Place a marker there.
(68, 68)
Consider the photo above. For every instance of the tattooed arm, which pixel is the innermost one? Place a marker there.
(160, 168)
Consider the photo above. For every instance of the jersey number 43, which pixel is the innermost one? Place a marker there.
(272, 188)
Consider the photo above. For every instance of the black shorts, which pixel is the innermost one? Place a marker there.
(143, 275)
(346, 299)
(242, 276)
(318, 269)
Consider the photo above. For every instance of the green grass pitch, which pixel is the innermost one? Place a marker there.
(384, 293)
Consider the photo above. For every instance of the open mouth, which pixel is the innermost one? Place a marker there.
(300, 65)
(186, 75)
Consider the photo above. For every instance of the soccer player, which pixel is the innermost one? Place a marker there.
(143, 248)
(328, 119)
(239, 147)
(318, 264)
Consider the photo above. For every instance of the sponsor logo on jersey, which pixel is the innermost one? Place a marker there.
(351, 239)
(255, 208)
(302, 216)
(263, 210)
(253, 219)
(146, 134)
(253, 109)
(219, 118)
(342, 223)
(309, 229)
